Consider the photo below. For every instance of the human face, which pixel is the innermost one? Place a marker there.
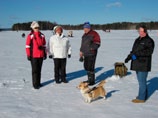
(36, 29)
(59, 30)
(86, 30)
(141, 32)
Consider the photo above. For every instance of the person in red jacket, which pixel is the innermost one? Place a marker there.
(88, 51)
(36, 52)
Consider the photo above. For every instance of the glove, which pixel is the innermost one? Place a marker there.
(134, 57)
(29, 58)
(81, 59)
(127, 59)
(50, 56)
(69, 56)
(45, 57)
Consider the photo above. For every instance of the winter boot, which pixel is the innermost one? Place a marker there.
(63, 79)
(91, 77)
(57, 80)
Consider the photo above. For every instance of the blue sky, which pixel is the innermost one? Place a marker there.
(77, 11)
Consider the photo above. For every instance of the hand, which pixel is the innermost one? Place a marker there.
(134, 57)
(81, 59)
(45, 57)
(81, 54)
(127, 59)
(29, 58)
(50, 56)
(69, 56)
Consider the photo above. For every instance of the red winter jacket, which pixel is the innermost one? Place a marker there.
(90, 43)
(35, 45)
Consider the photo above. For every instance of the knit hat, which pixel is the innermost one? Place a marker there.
(34, 24)
(87, 25)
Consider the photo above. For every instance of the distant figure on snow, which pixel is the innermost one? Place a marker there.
(70, 34)
(23, 35)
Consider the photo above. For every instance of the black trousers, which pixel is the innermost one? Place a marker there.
(89, 63)
(60, 69)
(36, 64)
(89, 66)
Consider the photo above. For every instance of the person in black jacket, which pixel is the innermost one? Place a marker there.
(141, 56)
(88, 51)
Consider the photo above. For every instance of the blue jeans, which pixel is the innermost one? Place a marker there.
(142, 81)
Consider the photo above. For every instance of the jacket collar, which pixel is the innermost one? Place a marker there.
(61, 36)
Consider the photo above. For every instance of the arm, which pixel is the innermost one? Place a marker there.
(96, 41)
(45, 49)
(28, 46)
(50, 47)
(69, 48)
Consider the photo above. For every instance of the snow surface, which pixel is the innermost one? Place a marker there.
(19, 99)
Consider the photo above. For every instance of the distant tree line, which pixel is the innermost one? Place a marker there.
(46, 25)
(5, 29)
(115, 26)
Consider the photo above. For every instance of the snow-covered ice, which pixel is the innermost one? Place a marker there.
(19, 99)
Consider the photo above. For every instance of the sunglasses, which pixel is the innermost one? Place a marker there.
(36, 28)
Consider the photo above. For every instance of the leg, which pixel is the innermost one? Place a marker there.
(56, 70)
(63, 70)
(103, 94)
(142, 79)
(40, 62)
(85, 64)
(89, 65)
(91, 77)
(35, 73)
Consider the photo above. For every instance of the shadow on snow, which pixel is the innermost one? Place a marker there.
(73, 75)
(152, 85)
(80, 73)
(106, 74)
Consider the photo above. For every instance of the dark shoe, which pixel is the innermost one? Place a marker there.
(91, 84)
(65, 81)
(36, 87)
(138, 101)
(58, 82)
(91, 77)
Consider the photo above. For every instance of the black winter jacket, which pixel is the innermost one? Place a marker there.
(143, 49)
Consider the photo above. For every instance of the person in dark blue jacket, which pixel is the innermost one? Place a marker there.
(141, 58)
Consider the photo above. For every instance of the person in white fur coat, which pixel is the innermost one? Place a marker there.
(59, 49)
